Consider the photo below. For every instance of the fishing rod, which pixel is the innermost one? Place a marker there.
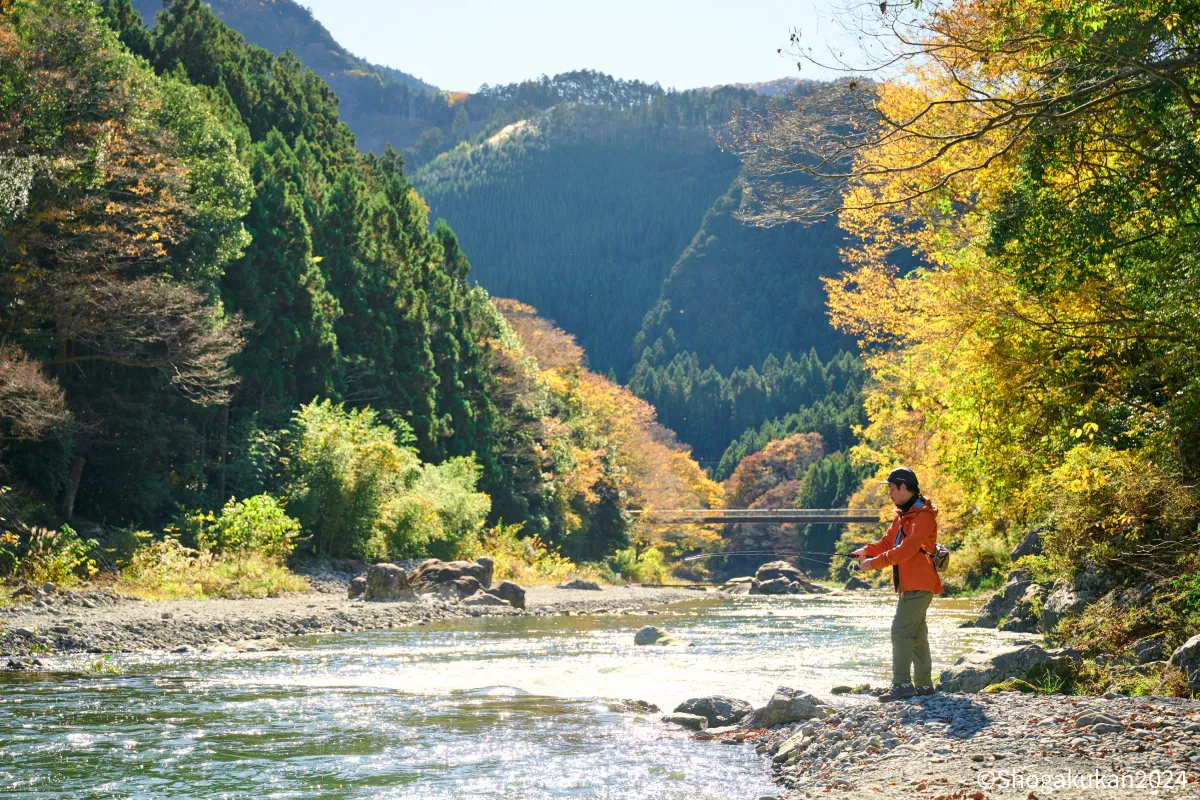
(805, 554)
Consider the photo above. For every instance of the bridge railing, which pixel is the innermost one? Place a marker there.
(734, 515)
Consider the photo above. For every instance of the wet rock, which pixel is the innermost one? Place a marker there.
(633, 706)
(650, 635)
(358, 587)
(509, 592)
(1030, 545)
(856, 583)
(47, 588)
(387, 582)
(1186, 659)
(579, 583)
(22, 664)
(717, 709)
(786, 706)
(693, 722)
(983, 668)
(484, 598)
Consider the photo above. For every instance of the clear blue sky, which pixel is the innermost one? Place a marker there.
(460, 44)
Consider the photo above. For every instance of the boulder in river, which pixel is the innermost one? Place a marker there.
(693, 722)
(787, 706)
(579, 583)
(717, 709)
(650, 635)
(1029, 662)
(387, 582)
(780, 577)
(509, 592)
(1186, 659)
(855, 584)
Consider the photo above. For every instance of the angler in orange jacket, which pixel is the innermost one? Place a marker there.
(908, 548)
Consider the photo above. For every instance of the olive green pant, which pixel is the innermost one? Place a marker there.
(910, 640)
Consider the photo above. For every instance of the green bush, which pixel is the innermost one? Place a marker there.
(433, 512)
(254, 525)
(58, 556)
(358, 492)
(345, 468)
(647, 567)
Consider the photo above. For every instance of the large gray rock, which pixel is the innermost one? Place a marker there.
(510, 592)
(787, 706)
(1071, 596)
(737, 585)
(983, 668)
(775, 586)
(1030, 545)
(386, 582)
(1024, 616)
(718, 709)
(782, 570)
(358, 586)
(433, 572)
(855, 584)
(1186, 659)
(1001, 604)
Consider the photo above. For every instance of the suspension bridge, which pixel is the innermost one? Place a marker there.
(800, 516)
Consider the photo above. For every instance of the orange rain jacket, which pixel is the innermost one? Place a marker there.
(912, 556)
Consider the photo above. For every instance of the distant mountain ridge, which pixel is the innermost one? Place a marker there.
(605, 203)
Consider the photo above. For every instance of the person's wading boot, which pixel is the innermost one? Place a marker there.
(901, 692)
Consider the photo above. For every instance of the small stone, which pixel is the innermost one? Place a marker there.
(693, 722)
(167, 615)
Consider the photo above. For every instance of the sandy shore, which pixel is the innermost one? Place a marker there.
(107, 622)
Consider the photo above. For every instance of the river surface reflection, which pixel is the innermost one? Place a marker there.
(475, 708)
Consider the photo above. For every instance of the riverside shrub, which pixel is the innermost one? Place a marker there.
(358, 489)
(254, 525)
(526, 561)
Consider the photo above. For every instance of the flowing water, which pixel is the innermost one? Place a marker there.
(476, 708)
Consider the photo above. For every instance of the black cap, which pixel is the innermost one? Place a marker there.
(906, 476)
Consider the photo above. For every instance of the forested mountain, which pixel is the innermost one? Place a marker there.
(370, 95)
(739, 293)
(580, 211)
(207, 292)
(608, 205)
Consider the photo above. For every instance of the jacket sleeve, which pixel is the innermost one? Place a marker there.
(878, 547)
(924, 526)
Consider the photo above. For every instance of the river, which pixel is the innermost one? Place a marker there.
(472, 708)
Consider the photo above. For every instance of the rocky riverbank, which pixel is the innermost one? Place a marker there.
(993, 745)
(958, 746)
(109, 622)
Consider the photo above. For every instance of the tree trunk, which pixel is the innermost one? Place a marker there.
(68, 502)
